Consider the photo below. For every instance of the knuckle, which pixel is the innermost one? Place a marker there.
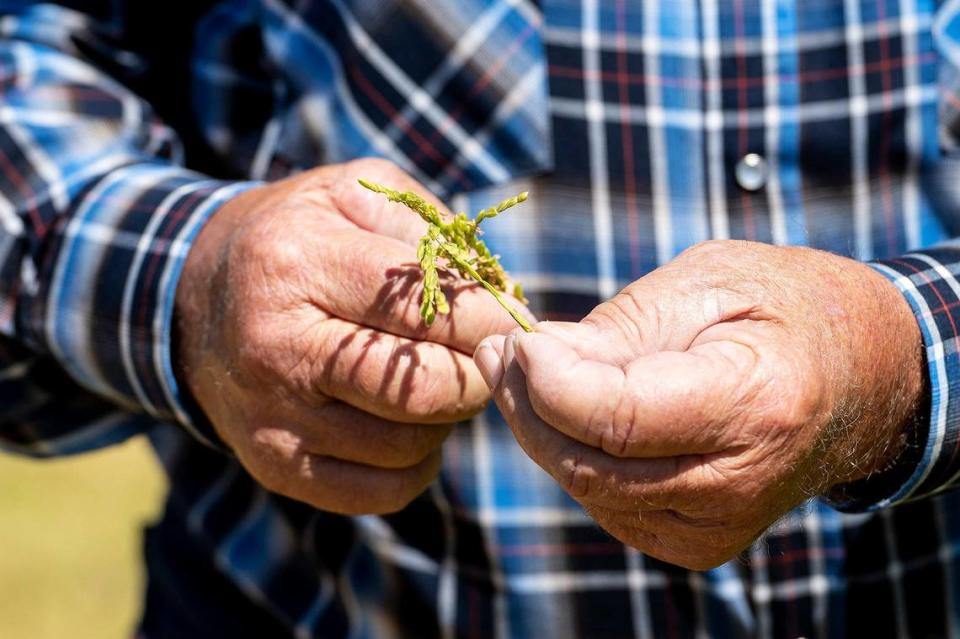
(265, 253)
(426, 400)
(575, 477)
(436, 398)
(409, 484)
(275, 441)
(410, 381)
(268, 250)
(620, 431)
(409, 445)
(255, 245)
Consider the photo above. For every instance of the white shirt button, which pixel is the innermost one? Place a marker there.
(751, 172)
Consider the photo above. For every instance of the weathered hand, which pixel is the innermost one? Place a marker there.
(302, 340)
(709, 398)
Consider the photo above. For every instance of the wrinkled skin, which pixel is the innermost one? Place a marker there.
(714, 395)
(302, 342)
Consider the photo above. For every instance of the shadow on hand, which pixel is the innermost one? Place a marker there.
(397, 295)
(403, 289)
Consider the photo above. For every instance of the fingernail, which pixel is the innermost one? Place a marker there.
(490, 365)
(509, 351)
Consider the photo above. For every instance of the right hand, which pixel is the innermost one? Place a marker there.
(301, 339)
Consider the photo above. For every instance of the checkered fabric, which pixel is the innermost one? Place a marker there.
(124, 125)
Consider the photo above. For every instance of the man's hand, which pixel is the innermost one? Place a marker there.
(709, 398)
(301, 339)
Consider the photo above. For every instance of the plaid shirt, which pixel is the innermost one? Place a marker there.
(123, 126)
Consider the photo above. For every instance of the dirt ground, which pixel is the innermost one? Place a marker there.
(70, 542)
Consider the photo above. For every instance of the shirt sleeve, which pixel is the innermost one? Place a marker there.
(96, 219)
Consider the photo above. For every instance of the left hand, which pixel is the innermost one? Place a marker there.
(709, 398)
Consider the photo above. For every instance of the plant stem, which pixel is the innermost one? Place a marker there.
(517, 317)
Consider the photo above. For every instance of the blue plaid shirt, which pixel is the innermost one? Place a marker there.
(124, 125)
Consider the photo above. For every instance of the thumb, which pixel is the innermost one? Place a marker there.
(489, 358)
(587, 341)
(582, 340)
(664, 404)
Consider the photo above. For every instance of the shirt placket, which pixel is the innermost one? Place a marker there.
(751, 125)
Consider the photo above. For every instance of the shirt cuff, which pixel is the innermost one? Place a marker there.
(109, 298)
(930, 282)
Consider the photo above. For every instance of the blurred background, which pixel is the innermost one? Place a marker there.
(70, 542)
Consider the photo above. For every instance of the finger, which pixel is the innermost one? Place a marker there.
(489, 360)
(393, 377)
(344, 487)
(587, 473)
(343, 432)
(372, 211)
(664, 404)
(375, 281)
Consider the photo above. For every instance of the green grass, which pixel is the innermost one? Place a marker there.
(70, 542)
